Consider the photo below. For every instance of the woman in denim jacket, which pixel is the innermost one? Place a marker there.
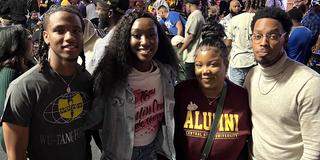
(134, 85)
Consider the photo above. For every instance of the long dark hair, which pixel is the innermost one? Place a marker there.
(42, 53)
(13, 46)
(118, 59)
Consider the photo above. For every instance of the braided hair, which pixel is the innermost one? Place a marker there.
(42, 53)
(212, 35)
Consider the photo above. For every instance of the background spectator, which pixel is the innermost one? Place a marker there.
(299, 43)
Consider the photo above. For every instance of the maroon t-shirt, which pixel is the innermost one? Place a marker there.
(194, 115)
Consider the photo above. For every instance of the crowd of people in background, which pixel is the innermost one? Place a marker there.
(160, 79)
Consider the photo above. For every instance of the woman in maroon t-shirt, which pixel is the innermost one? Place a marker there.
(196, 103)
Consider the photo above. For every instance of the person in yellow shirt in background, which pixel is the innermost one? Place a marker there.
(65, 3)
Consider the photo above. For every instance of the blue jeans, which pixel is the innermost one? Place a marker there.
(148, 152)
(238, 75)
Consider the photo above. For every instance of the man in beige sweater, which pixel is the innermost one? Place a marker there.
(284, 95)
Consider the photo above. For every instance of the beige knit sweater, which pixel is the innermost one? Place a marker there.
(285, 105)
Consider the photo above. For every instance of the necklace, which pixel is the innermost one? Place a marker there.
(68, 89)
(267, 90)
(211, 100)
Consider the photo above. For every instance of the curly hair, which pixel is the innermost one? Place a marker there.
(118, 58)
(13, 46)
(212, 34)
(42, 53)
(275, 13)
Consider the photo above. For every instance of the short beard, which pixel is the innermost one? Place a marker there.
(262, 62)
(234, 13)
(267, 63)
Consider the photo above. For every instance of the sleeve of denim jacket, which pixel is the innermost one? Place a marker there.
(173, 75)
(95, 115)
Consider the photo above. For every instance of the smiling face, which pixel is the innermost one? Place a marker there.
(144, 42)
(210, 69)
(266, 50)
(64, 36)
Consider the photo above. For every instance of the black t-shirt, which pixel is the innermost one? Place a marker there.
(39, 100)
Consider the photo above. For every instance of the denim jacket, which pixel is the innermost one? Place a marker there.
(117, 115)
